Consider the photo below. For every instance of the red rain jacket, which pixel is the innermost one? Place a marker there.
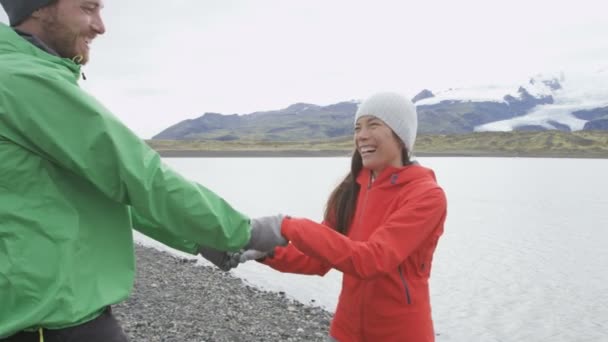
(385, 257)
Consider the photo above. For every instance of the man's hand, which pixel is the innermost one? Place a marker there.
(225, 261)
(266, 233)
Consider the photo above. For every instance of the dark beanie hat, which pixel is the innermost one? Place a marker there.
(19, 10)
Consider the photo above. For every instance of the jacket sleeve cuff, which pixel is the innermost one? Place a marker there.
(287, 228)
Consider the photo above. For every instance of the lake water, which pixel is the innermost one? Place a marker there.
(524, 256)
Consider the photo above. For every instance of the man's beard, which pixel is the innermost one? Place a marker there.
(62, 39)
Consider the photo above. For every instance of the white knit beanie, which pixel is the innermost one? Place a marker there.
(396, 111)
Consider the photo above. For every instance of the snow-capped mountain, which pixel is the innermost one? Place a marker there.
(571, 102)
(562, 102)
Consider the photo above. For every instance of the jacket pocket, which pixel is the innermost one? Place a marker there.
(406, 288)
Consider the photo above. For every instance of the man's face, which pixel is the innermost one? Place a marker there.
(69, 27)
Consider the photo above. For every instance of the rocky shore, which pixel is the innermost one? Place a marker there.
(175, 300)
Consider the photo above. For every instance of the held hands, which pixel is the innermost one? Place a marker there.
(225, 261)
(252, 254)
(266, 233)
(265, 236)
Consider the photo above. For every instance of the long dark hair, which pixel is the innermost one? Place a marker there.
(342, 202)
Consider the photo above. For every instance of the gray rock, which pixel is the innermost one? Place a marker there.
(596, 125)
(176, 300)
(559, 126)
(592, 114)
(424, 94)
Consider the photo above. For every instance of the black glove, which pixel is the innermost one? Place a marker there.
(223, 260)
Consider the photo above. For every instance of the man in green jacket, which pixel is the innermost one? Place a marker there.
(74, 181)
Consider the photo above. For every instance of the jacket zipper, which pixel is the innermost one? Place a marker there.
(407, 289)
(369, 185)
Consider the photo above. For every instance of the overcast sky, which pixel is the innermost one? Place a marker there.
(161, 62)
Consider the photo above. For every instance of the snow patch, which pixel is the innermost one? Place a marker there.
(581, 91)
(475, 94)
(541, 117)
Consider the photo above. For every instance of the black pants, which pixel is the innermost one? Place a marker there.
(104, 328)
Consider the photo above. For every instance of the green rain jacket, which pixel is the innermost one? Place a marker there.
(73, 182)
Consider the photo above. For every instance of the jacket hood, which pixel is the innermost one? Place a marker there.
(396, 175)
(11, 42)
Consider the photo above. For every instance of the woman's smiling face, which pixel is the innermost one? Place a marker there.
(378, 146)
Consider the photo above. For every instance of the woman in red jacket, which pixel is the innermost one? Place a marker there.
(381, 227)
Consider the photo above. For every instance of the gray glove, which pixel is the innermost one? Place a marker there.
(266, 233)
(225, 261)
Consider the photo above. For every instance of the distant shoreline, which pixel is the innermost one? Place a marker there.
(342, 153)
(252, 153)
(546, 144)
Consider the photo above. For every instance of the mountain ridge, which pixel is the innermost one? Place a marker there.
(543, 103)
